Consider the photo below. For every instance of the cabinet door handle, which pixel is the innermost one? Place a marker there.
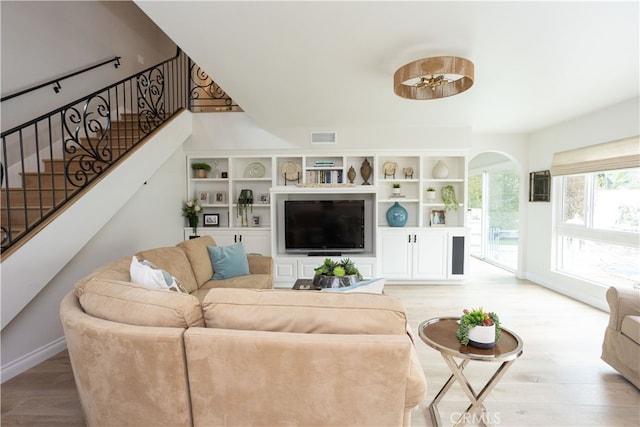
(409, 238)
(415, 238)
(235, 238)
(241, 237)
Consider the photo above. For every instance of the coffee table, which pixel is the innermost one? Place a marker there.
(440, 333)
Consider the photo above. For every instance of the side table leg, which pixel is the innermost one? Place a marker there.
(433, 409)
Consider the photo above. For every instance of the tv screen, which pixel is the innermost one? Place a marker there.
(324, 225)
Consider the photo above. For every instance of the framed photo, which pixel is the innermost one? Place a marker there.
(211, 220)
(224, 175)
(204, 198)
(438, 217)
(220, 198)
(539, 186)
(263, 198)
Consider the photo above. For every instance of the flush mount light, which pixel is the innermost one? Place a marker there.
(433, 78)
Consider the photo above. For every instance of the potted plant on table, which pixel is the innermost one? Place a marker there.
(478, 328)
(431, 193)
(201, 169)
(336, 274)
(191, 208)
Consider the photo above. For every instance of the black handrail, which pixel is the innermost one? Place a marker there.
(57, 81)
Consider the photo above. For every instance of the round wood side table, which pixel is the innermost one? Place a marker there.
(440, 334)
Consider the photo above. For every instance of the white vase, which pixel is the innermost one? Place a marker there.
(440, 170)
(482, 336)
(431, 195)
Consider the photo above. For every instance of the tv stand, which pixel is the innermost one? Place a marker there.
(330, 253)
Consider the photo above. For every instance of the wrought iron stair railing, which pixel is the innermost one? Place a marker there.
(46, 162)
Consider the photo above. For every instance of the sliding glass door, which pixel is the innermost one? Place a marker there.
(493, 213)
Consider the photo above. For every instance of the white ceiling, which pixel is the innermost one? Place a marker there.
(325, 65)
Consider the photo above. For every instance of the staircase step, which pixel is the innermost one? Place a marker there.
(49, 181)
(16, 196)
(58, 165)
(18, 215)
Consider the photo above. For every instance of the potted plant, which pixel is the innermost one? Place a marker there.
(245, 202)
(332, 274)
(478, 328)
(201, 169)
(448, 194)
(191, 208)
(431, 193)
(396, 188)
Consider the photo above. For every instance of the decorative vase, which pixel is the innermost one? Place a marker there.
(351, 174)
(365, 171)
(397, 215)
(193, 223)
(482, 336)
(322, 281)
(440, 170)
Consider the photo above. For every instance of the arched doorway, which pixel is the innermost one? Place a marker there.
(494, 209)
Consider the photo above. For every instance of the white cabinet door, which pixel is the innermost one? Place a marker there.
(395, 254)
(430, 254)
(257, 241)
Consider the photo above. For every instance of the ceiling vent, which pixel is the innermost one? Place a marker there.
(323, 137)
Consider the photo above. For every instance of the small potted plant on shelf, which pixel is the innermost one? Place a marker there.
(245, 202)
(396, 189)
(201, 169)
(478, 328)
(431, 193)
(191, 209)
(336, 274)
(448, 194)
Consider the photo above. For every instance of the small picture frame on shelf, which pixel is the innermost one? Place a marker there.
(204, 198)
(220, 198)
(224, 175)
(211, 220)
(438, 217)
(263, 198)
(256, 221)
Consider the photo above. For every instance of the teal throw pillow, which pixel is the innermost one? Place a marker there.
(228, 261)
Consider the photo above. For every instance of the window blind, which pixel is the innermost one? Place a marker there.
(621, 154)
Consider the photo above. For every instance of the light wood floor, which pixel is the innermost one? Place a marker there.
(559, 380)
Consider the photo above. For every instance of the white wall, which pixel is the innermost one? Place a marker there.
(86, 33)
(610, 124)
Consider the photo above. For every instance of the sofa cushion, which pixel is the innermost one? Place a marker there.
(125, 302)
(631, 327)
(196, 251)
(173, 260)
(251, 281)
(228, 261)
(147, 274)
(283, 310)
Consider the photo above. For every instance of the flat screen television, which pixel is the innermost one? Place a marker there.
(324, 226)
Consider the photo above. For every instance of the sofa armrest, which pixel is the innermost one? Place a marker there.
(260, 264)
(622, 302)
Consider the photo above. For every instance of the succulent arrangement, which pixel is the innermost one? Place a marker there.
(198, 165)
(476, 317)
(344, 267)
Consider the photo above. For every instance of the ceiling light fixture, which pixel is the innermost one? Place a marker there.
(433, 78)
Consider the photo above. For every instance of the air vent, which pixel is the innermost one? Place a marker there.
(323, 137)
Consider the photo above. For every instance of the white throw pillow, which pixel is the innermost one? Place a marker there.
(147, 274)
(371, 286)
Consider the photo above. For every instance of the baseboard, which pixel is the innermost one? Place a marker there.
(569, 291)
(29, 360)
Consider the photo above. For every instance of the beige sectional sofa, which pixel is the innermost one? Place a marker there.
(230, 354)
(621, 344)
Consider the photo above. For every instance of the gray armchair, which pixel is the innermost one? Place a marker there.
(621, 345)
